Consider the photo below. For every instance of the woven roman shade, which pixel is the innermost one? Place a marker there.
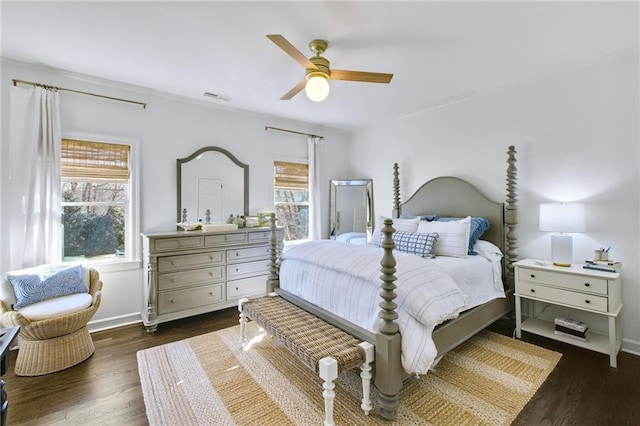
(291, 175)
(94, 160)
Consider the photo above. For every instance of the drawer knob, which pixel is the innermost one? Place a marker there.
(237, 254)
(210, 273)
(173, 301)
(173, 263)
(237, 270)
(173, 280)
(587, 285)
(237, 288)
(533, 275)
(210, 293)
(533, 290)
(587, 301)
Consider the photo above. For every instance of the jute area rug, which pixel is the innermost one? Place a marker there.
(210, 380)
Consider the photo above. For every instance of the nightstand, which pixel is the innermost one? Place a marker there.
(570, 290)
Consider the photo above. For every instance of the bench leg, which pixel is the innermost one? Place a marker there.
(366, 375)
(243, 322)
(328, 371)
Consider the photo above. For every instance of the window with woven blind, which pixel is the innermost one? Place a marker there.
(291, 198)
(96, 204)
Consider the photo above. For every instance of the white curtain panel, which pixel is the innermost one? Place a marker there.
(34, 154)
(316, 157)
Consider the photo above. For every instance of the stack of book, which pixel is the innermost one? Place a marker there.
(603, 265)
(571, 328)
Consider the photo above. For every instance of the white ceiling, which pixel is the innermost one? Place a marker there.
(439, 52)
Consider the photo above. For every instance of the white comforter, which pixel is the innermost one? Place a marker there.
(345, 280)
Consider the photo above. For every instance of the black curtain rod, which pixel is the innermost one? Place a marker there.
(15, 82)
(293, 131)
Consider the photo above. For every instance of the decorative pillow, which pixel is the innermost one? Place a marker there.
(29, 289)
(406, 225)
(453, 237)
(478, 227)
(427, 217)
(414, 243)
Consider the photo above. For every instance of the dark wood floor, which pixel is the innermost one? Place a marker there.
(105, 389)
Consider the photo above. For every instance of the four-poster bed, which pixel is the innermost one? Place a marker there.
(454, 321)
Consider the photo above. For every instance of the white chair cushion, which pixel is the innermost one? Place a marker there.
(57, 307)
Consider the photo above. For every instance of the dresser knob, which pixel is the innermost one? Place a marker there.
(173, 301)
(173, 263)
(533, 275)
(587, 301)
(210, 293)
(237, 270)
(210, 274)
(237, 254)
(173, 280)
(533, 290)
(237, 288)
(587, 285)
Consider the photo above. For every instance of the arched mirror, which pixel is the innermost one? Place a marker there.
(212, 184)
(351, 209)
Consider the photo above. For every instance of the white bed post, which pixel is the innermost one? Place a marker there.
(389, 370)
(243, 322)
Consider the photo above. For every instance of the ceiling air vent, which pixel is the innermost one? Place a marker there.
(217, 96)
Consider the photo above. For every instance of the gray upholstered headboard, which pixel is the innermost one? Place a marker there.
(449, 196)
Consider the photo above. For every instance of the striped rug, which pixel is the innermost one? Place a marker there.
(209, 380)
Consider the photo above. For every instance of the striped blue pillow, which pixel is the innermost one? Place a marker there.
(414, 243)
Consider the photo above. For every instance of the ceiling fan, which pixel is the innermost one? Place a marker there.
(316, 81)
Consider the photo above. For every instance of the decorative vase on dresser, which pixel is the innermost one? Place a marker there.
(190, 273)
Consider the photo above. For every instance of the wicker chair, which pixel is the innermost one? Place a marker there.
(54, 343)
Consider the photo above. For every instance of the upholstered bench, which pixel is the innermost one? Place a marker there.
(322, 347)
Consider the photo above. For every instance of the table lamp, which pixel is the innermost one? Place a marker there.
(562, 219)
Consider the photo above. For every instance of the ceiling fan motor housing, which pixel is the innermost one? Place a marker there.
(322, 65)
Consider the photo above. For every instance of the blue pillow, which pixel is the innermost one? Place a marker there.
(29, 289)
(478, 227)
(415, 243)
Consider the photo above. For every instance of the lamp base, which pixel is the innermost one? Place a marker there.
(561, 249)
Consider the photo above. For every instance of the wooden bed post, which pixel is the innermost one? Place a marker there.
(273, 281)
(511, 216)
(389, 370)
(396, 192)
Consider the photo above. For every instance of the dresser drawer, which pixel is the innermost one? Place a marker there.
(241, 270)
(566, 281)
(166, 244)
(242, 254)
(174, 301)
(556, 295)
(175, 280)
(254, 286)
(261, 236)
(176, 263)
(222, 239)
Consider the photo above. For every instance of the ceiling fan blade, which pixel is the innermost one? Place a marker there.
(290, 50)
(368, 77)
(291, 93)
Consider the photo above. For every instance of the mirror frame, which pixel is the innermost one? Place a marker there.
(181, 161)
(334, 184)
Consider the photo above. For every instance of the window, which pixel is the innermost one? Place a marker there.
(291, 199)
(96, 193)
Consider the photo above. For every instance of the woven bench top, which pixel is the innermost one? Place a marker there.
(304, 334)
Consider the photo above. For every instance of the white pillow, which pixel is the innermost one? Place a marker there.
(405, 225)
(454, 236)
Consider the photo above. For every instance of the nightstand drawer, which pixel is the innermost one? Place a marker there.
(566, 281)
(555, 295)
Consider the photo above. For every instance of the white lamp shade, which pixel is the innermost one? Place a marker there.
(317, 88)
(562, 217)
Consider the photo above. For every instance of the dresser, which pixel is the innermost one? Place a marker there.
(190, 273)
(569, 292)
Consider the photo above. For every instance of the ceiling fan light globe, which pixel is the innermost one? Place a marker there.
(317, 88)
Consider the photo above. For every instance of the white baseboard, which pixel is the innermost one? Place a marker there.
(114, 322)
(631, 346)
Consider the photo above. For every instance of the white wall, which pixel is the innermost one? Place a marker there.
(169, 128)
(576, 133)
